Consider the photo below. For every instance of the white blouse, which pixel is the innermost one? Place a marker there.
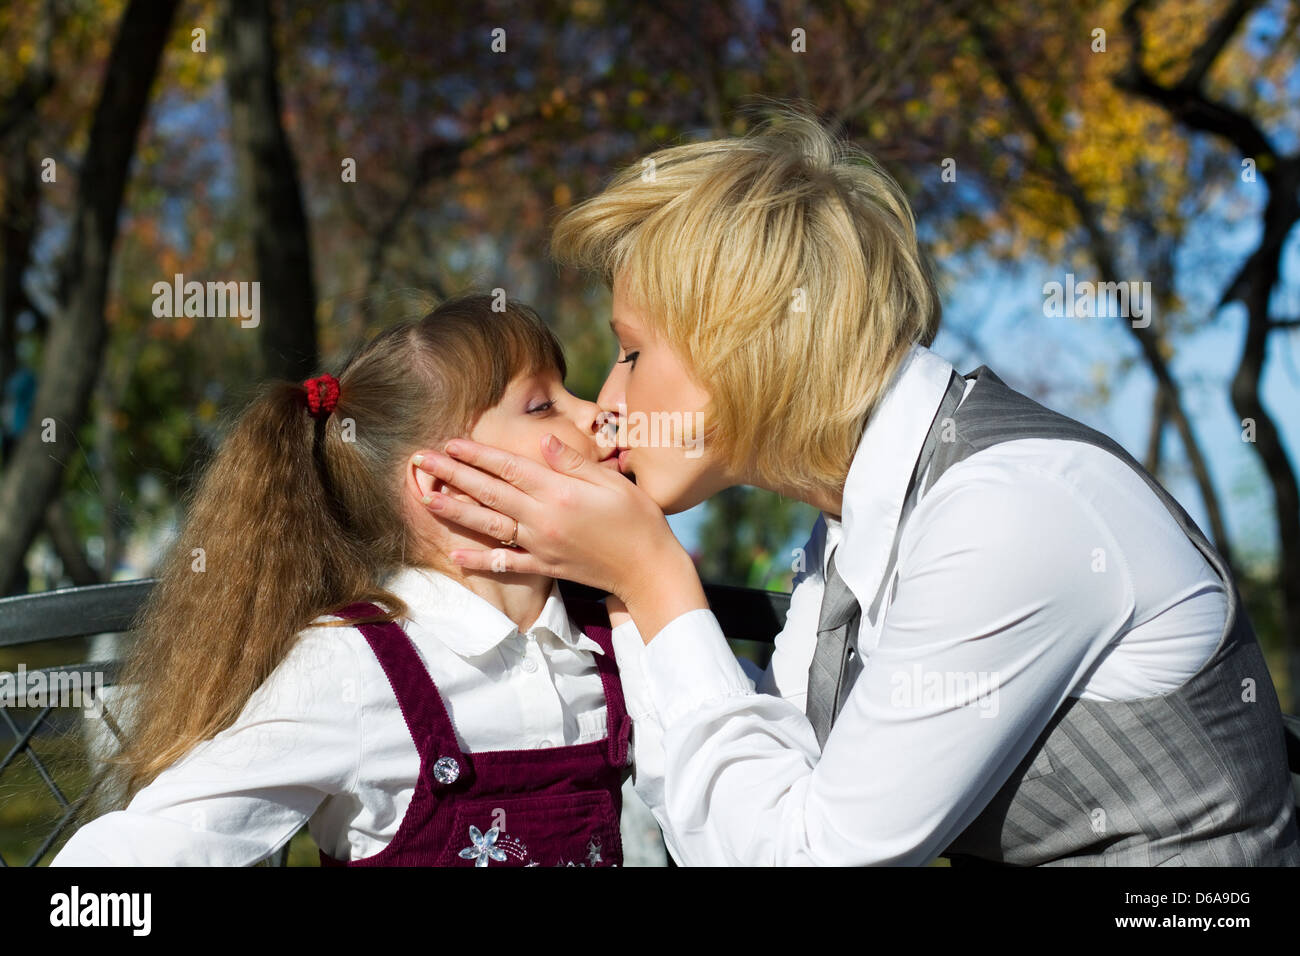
(323, 740)
(1037, 570)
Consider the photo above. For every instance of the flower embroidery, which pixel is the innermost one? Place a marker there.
(484, 846)
(495, 845)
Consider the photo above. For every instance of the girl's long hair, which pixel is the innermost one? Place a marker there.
(297, 517)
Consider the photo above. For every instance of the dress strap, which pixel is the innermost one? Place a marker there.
(592, 617)
(417, 695)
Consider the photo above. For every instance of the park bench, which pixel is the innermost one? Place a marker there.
(81, 612)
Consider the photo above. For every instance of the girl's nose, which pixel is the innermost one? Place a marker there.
(597, 426)
(606, 428)
(588, 418)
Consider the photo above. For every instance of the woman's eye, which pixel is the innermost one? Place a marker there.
(544, 407)
(631, 357)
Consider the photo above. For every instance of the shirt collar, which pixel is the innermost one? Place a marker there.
(882, 467)
(469, 624)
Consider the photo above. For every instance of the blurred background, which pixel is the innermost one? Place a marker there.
(355, 156)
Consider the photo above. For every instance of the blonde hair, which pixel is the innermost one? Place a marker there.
(721, 245)
(298, 516)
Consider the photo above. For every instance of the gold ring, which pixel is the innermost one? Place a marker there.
(513, 536)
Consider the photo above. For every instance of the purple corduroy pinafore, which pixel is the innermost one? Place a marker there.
(555, 806)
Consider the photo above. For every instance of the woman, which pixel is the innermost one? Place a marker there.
(1006, 642)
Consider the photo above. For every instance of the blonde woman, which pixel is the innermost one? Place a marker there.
(1009, 645)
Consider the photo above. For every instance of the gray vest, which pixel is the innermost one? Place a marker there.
(1195, 777)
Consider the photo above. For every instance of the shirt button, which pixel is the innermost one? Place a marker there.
(530, 666)
(531, 636)
(544, 744)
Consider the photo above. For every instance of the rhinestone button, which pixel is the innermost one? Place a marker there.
(446, 770)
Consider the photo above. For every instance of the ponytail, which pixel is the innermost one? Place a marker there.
(264, 553)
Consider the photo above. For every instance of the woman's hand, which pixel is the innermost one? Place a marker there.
(577, 521)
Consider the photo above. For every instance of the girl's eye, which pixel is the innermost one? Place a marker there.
(544, 407)
(631, 357)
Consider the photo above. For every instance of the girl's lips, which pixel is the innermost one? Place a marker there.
(622, 459)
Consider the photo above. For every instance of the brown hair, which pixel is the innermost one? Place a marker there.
(297, 517)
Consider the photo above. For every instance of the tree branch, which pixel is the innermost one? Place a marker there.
(58, 524)
(1218, 38)
(1102, 249)
(1253, 284)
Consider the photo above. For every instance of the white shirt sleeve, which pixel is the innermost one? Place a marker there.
(647, 735)
(997, 582)
(237, 798)
(785, 676)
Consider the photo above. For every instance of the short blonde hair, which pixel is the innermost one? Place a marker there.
(783, 267)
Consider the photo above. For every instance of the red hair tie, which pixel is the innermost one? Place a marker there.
(322, 394)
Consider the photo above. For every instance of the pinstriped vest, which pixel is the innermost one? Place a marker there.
(1195, 777)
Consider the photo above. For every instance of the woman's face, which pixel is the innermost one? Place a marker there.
(660, 410)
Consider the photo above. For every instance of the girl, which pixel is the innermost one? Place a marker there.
(275, 682)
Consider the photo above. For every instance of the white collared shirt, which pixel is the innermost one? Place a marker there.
(323, 740)
(1034, 571)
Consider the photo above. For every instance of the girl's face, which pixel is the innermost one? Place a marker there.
(536, 405)
(531, 407)
(660, 410)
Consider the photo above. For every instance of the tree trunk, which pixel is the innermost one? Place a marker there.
(21, 204)
(75, 344)
(270, 193)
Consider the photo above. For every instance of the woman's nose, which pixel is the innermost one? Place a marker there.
(611, 398)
